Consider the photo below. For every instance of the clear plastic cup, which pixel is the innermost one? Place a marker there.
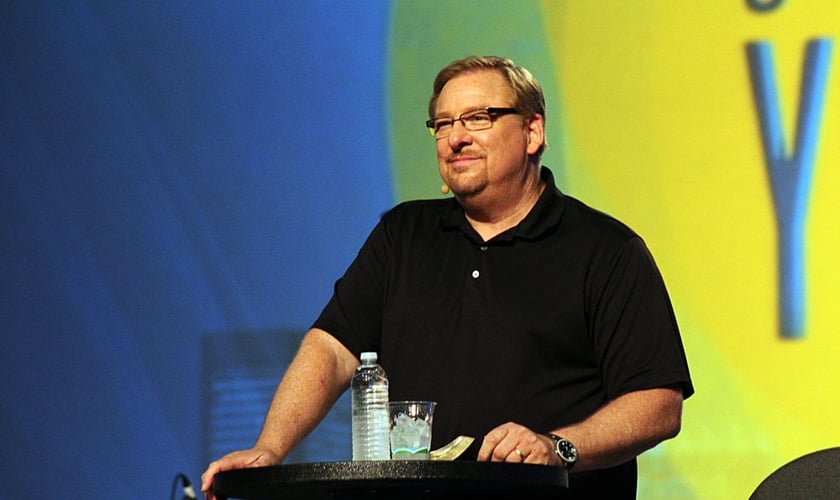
(411, 429)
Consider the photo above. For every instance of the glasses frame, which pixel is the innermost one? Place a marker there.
(493, 113)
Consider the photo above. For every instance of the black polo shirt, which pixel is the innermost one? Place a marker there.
(540, 325)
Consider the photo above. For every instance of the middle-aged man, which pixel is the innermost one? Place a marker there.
(540, 325)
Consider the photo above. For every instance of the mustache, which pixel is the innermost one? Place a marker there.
(463, 154)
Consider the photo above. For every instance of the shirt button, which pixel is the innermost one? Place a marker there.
(483, 248)
(475, 273)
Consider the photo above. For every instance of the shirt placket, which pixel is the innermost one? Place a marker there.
(476, 275)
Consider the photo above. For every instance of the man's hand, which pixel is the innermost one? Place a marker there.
(254, 457)
(512, 442)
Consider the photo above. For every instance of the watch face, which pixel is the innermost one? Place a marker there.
(566, 450)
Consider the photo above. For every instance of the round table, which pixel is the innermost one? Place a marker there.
(401, 479)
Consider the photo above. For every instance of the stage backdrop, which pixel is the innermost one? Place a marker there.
(181, 184)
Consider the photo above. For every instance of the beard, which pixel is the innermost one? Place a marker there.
(465, 187)
(467, 181)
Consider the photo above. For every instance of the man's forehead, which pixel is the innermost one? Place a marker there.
(474, 90)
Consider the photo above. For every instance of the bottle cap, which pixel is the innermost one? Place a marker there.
(368, 356)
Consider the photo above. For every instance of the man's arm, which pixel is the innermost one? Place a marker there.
(625, 427)
(621, 430)
(319, 373)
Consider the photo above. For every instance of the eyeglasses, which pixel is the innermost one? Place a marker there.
(479, 119)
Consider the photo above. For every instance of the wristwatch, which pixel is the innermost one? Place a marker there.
(565, 450)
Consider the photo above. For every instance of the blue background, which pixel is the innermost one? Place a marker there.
(171, 171)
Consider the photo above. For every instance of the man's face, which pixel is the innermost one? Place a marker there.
(487, 161)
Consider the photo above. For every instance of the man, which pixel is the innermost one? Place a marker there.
(539, 325)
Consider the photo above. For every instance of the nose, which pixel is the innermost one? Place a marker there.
(459, 135)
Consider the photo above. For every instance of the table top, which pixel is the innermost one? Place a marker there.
(403, 479)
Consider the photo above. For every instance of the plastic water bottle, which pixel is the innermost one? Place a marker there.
(371, 420)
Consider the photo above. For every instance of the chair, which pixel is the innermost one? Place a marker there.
(814, 476)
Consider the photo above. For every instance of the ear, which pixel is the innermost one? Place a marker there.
(536, 133)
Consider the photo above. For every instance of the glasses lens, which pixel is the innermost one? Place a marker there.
(477, 120)
(442, 127)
